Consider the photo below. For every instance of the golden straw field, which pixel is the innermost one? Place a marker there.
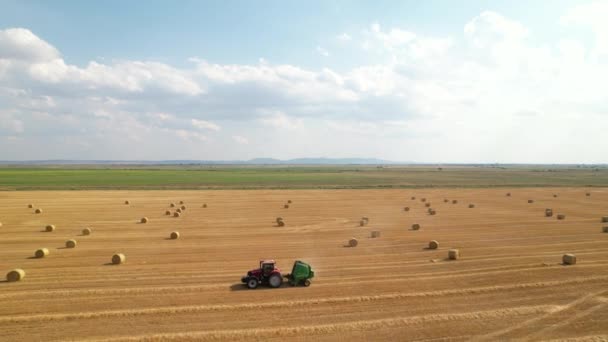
(508, 283)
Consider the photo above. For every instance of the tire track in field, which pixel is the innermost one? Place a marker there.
(500, 334)
(322, 329)
(199, 288)
(588, 338)
(424, 276)
(278, 304)
(568, 320)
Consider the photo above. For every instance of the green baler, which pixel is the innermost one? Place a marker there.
(300, 274)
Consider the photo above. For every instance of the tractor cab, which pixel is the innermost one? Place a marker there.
(267, 267)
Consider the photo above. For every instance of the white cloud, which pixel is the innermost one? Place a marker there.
(240, 139)
(321, 51)
(489, 93)
(10, 124)
(202, 124)
(591, 15)
(279, 119)
(345, 37)
(20, 44)
(489, 27)
(393, 38)
(190, 136)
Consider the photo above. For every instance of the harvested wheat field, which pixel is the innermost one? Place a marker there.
(508, 282)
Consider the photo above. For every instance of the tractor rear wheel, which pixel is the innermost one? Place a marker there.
(252, 283)
(275, 280)
(307, 283)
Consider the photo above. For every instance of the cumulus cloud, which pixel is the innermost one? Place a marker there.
(489, 27)
(393, 38)
(278, 119)
(202, 124)
(321, 51)
(488, 93)
(240, 139)
(20, 44)
(591, 15)
(10, 125)
(188, 135)
(345, 37)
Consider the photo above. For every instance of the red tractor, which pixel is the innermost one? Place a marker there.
(268, 273)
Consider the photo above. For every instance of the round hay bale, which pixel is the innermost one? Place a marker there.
(286, 206)
(281, 224)
(554, 195)
(127, 202)
(41, 253)
(530, 201)
(569, 259)
(181, 202)
(428, 204)
(38, 211)
(174, 235)
(87, 231)
(176, 214)
(205, 205)
(50, 228)
(353, 242)
(118, 258)
(548, 212)
(366, 219)
(415, 226)
(144, 220)
(561, 216)
(471, 205)
(172, 205)
(605, 229)
(604, 218)
(30, 206)
(168, 212)
(413, 198)
(406, 209)
(279, 219)
(423, 199)
(445, 200)
(508, 194)
(179, 210)
(454, 201)
(432, 211)
(375, 234)
(15, 275)
(588, 194)
(433, 244)
(453, 254)
(362, 223)
(183, 207)
(71, 243)
(289, 201)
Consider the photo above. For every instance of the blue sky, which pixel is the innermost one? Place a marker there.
(432, 81)
(244, 31)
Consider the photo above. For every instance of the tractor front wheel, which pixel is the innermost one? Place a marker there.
(307, 283)
(275, 280)
(252, 283)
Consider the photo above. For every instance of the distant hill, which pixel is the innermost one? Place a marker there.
(256, 161)
(320, 161)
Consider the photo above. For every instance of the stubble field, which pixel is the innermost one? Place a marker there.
(508, 284)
